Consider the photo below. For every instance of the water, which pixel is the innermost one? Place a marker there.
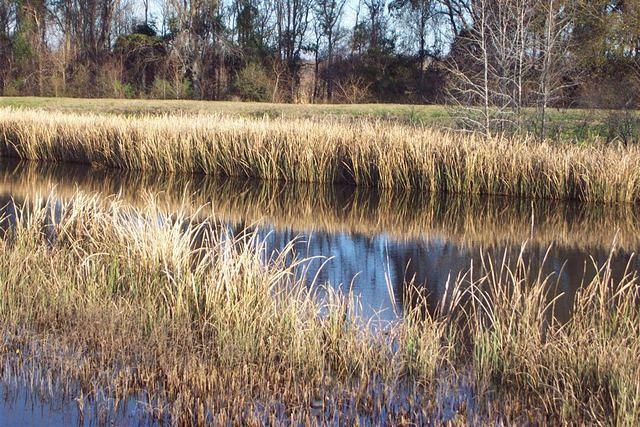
(371, 243)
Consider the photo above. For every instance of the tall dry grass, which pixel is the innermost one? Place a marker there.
(115, 301)
(363, 153)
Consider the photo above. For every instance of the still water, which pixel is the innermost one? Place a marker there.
(371, 243)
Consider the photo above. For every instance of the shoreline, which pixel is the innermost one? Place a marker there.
(361, 153)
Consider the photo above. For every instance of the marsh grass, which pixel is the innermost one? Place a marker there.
(560, 366)
(109, 300)
(362, 153)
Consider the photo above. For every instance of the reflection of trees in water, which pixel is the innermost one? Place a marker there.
(371, 235)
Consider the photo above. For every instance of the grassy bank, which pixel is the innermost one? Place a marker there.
(362, 153)
(116, 302)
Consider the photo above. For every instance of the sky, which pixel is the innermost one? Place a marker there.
(155, 11)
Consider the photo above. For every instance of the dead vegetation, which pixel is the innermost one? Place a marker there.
(362, 153)
(117, 301)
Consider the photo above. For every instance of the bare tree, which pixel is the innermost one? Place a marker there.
(328, 14)
(469, 69)
(252, 24)
(196, 39)
(315, 47)
(416, 15)
(510, 29)
(7, 23)
(489, 65)
(458, 13)
(145, 4)
(375, 9)
(292, 21)
(557, 24)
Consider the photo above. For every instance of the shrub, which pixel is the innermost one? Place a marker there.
(253, 83)
(164, 89)
(623, 126)
(14, 87)
(123, 90)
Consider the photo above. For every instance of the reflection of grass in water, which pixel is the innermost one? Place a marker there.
(365, 153)
(471, 221)
(125, 303)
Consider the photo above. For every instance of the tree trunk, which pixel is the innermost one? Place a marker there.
(330, 66)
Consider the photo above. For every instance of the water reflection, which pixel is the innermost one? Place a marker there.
(377, 241)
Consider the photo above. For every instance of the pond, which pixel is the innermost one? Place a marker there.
(376, 244)
(372, 243)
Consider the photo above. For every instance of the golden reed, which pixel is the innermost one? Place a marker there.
(361, 152)
(116, 302)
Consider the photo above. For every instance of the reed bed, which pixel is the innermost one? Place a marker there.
(362, 153)
(470, 222)
(109, 300)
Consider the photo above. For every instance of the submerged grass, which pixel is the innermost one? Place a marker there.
(363, 153)
(111, 300)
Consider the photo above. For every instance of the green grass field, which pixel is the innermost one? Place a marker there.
(580, 125)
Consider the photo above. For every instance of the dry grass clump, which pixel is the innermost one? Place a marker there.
(584, 371)
(364, 153)
(122, 302)
(137, 304)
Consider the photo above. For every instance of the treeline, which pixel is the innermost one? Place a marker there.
(496, 55)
